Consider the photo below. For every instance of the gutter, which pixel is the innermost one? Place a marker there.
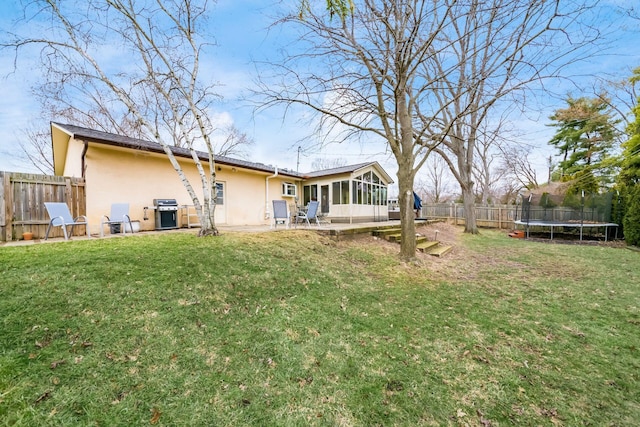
(267, 212)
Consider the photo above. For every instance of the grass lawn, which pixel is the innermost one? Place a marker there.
(291, 328)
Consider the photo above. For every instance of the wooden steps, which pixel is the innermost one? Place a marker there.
(427, 246)
(423, 244)
(440, 250)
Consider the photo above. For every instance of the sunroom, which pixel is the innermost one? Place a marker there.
(355, 193)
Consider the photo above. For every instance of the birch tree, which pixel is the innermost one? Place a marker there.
(147, 54)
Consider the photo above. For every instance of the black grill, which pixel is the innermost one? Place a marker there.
(166, 213)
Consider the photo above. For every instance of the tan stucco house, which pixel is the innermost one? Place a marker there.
(119, 169)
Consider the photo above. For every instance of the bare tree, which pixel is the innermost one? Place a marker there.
(434, 180)
(486, 158)
(367, 77)
(323, 163)
(507, 191)
(234, 142)
(84, 103)
(93, 109)
(160, 83)
(496, 50)
(36, 148)
(422, 76)
(517, 168)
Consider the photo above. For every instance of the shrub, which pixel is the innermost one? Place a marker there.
(631, 221)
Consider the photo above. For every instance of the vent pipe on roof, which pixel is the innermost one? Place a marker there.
(267, 212)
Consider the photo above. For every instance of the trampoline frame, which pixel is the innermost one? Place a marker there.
(581, 225)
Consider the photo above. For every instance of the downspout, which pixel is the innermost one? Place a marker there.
(82, 158)
(267, 212)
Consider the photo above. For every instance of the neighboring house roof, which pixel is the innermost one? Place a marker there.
(113, 139)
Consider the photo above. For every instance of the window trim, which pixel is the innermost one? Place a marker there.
(286, 189)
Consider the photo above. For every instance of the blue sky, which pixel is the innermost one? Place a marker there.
(240, 28)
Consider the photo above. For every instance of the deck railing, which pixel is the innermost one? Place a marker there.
(490, 216)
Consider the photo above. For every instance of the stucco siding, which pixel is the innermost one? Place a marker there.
(73, 161)
(117, 175)
(119, 169)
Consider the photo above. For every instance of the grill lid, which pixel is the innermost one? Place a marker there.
(165, 202)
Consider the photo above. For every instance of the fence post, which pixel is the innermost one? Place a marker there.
(2, 223)
(68, 195)
(7, 211)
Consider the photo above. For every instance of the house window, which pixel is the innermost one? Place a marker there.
(219, 193)
(340, 191)
(309, 193)
(368, 189)
(289, 189)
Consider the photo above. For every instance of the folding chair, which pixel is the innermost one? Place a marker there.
(310, 214)
(280, 213)
(61, 217)
(119, 215)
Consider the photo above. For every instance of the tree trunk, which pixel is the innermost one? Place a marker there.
(207, 219)
(468, 202)
(206, 211)
(407, 216)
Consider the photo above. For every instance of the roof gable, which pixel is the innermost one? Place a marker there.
(352, 169)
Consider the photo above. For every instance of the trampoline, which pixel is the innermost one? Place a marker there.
(575, 224)
(588, 211)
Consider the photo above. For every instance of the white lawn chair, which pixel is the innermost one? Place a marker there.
(119, 215)
(61, 217)
(280, 213)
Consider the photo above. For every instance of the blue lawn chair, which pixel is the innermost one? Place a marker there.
(120, 216)
(310, 215)
(61, 217)
(280, 213)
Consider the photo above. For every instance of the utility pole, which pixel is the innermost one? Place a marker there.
(298, 164)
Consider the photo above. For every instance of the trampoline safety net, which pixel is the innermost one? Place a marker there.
(583, 209)
(568, 208)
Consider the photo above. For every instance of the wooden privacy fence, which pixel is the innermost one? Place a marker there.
(490, 216)
(22, 200)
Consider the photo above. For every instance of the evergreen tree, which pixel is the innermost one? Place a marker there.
(586, 135)
(631, 221)
(629, 178)
(630, 165)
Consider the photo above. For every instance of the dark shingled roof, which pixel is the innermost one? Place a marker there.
(347, 169)
(107, 138)
(337, 171)
(143, 145)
